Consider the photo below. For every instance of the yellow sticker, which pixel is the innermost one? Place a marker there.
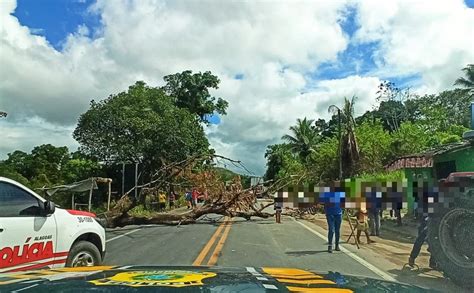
(320, 290)
(305, 282)
(85, 269)
(171, 278)
(290, 273)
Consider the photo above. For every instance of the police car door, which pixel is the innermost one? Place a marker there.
(27, 237)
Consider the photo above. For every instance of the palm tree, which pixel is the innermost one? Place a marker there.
(467, 81)
(348, 147)
(303, 138)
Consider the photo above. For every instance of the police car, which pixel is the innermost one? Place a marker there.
(34, 233)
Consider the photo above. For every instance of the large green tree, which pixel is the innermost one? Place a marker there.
(349, 149)
(374, 142)
(142, 124)
(303, 138)
(45, 160)
(49, 165)
(191, 91)
(411, 138)
(323, 165)
(281, 162)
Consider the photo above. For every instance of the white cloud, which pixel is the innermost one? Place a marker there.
(25, 134)
(272, 44)
(430, 38)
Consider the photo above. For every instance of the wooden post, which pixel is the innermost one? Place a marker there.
(110, 191)
(90, 196)
(353, 232)
(123, 178)
(136, 180)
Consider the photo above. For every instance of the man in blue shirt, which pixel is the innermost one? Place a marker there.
(333, 201)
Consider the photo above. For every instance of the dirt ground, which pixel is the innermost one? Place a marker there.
(391, 251)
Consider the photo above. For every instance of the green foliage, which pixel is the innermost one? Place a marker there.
(303, 138)
(349, 149)
(48, 160)
(42, 166)
(227, 175)
(374, 143)
(281, 162)
(48, 165)
(383, 176)
(141, 124)
(140, 211)
(9, 172)
(80, 169)
(191, 91)
(411, 138)
(401, 124)
(441, 111)
(324, 163)
(467, 81)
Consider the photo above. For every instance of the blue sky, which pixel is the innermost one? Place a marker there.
(55, 19)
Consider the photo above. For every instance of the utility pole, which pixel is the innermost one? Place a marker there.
(136, 180)
(123, 178)
(472, 115)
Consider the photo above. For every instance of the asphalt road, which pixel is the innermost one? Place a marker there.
(236, 243)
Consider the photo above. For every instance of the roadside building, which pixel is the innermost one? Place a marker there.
(435, 164)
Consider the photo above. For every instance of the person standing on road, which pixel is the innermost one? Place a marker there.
(373, 198)
(333, 201)
(363, 225)
(189, 199)
(420, 239)
(278, 205)
(422, 197)
(162, 201)
(195, 196)
(171, 199)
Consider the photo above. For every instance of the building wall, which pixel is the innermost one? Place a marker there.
(464, 159)
(412, 174)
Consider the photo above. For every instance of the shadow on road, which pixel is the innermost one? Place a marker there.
(305, 252)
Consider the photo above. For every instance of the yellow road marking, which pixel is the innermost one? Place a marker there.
(213, 260)
(207, 247)
(325, 290)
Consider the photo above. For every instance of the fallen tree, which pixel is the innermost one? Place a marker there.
(231, 200)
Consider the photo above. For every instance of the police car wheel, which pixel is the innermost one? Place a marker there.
(83, 254)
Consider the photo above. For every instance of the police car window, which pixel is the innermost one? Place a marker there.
(15, 202)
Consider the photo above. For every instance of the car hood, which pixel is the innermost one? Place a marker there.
(193, 279)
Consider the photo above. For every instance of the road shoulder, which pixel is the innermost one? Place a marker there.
(390, 256)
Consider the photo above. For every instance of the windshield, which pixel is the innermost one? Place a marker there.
(310, 144)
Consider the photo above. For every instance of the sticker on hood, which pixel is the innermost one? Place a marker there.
(171, 278)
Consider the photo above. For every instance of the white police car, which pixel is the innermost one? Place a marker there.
(36, 234)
